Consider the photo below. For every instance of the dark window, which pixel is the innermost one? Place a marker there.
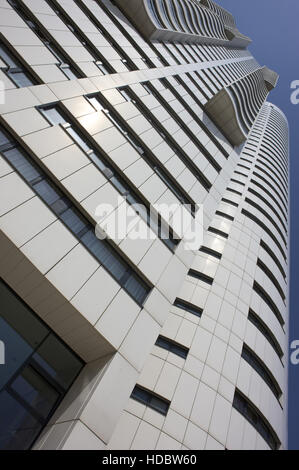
(266, 229)
(218, 232)
(39, 369)
(234, 191)
(14, 68)
(237, 182)
(172, 346)
(226, 216)
(267, 299)
(262, 327)
(228, 201)
(183, 304)
(266, 214)
(273, 256)
(261, 369)
(271, 195)
(257, 175)
(210, 252)
(201, 276)
(271, 276)
(64, 209)
(150, 399)
(248, 410)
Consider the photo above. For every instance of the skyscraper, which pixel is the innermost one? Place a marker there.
(130, 343)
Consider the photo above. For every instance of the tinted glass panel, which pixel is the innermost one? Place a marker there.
(70, 73)
(159, 405)
(17, 350)
(3, 139)
(53, 115)
(7, 57)
(173, 347)
(21, 79)
(58, 361)
(46, 192)
(16, 158)
(246, 408)
(148, 398)
(77, 138)
(136, 289)
(101, 249)
(39, 369)
(35, 391)
(73, 221)
(18, 428)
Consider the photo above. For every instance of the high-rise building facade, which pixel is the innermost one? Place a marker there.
(137, 343)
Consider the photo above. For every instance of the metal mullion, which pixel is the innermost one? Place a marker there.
(26, 405)
(24, 364)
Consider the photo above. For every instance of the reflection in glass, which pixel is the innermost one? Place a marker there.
(39, 369)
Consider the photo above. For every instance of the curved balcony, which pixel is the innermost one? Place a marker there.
(235, 108)
(189, 21)
(270, 78)
(233, 34)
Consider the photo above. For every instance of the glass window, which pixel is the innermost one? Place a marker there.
(24, 167)
(20, 319)
(17, 350)
(21, 79)
(99, 248)
(3, 139)
(70, 73)
(73, 221)
(188, 307)
(7, 57)
(150, 399)
(39, 369)
(99, 162)
(95, 102)
(46, 192)
(140, 394)
(78, 139)
(14, 68)
(35, 391)
(201, 276)
(246, 408)
(53, 115)
(210, 252)
(41, 32)
(254, 318)
(261, 369)
(58, 361)
(102, 68)
(60, 206)
(136, 289)
(104, 251)
(159, 405)
(171, 346)
(18, 428)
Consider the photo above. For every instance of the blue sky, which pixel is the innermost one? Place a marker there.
(273, 27)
